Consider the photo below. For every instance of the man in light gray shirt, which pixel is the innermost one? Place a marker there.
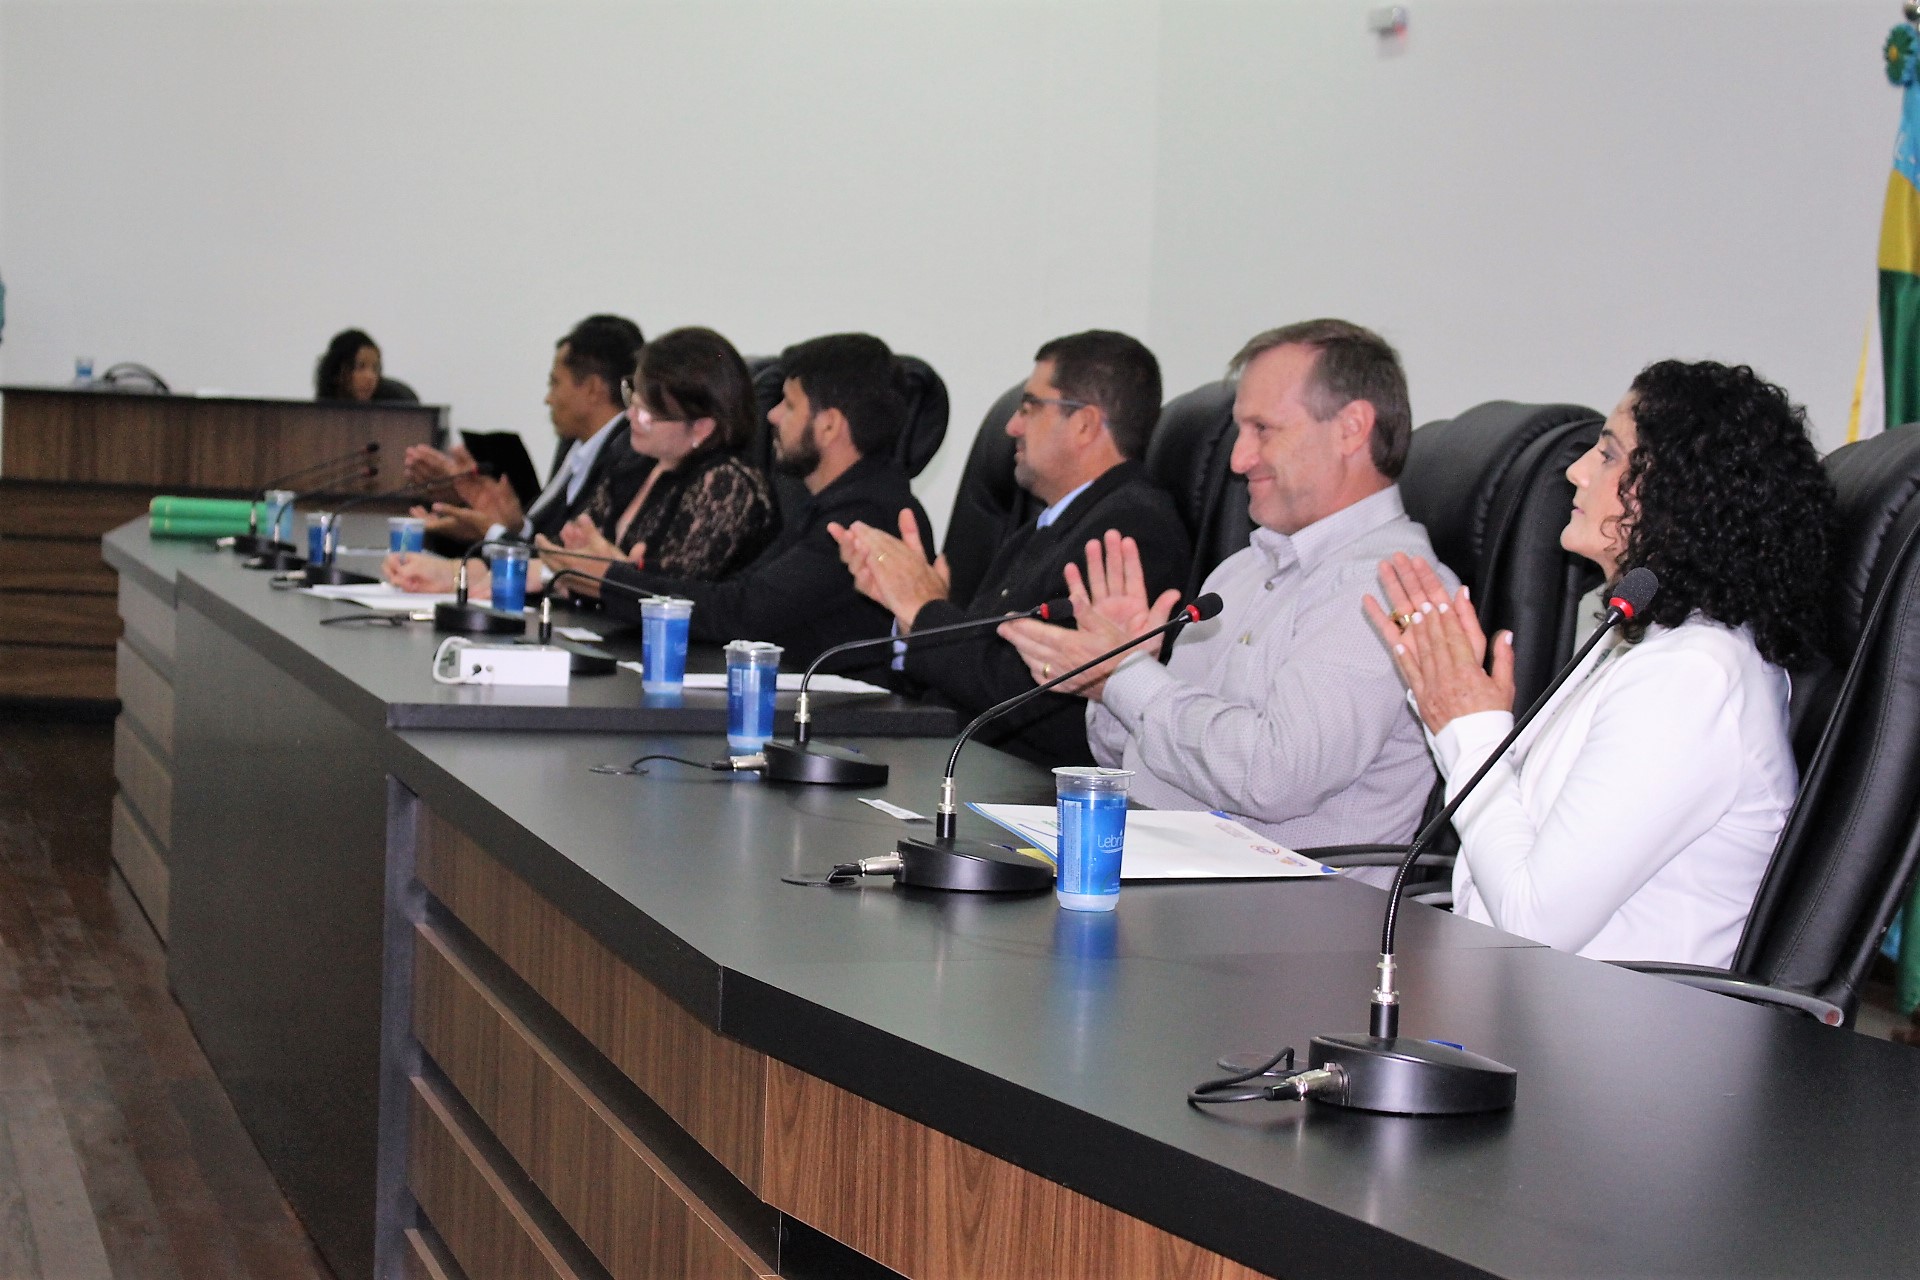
(1284, 711)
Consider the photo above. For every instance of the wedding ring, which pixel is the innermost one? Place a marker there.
(1402, 620)
(1046, 671)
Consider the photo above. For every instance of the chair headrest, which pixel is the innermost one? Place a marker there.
(1457, 470)
(1183, 454)
(927, 408)
(1874, 481)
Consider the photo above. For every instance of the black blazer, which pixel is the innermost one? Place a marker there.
(616, 475)
(797, 594)
(974, 671)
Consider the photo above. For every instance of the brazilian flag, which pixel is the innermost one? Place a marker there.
(1887, 391)
(1888, 388)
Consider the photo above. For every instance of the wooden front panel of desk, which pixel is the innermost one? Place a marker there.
(74, 464)
(661, 1147)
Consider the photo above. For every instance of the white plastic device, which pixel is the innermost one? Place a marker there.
(460, 661)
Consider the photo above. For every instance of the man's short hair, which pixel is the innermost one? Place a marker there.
(604, 347)
(857, 374)
(1353, 364)
(1114, 372)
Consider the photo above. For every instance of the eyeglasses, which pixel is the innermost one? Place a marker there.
(638, 412)
(1032, 404)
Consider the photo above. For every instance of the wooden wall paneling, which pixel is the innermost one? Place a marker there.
(426, 1258)
(43, 509)
(52, 671)
(37, 617)
(486, 1226)
(932, 1207)
(142, 866)
(710, 1085)
(622, 1198)
(148, 618)
(145, 783)
(146, 698)
(55, 564)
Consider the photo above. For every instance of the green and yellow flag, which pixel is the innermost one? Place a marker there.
(1887, 391)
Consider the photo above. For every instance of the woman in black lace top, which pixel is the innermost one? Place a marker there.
(702, 512)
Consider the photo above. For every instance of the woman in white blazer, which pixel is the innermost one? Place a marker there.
(1635, 817)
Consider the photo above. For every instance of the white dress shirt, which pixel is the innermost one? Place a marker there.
(1285, 710)
(566, 478)
(1635, 817)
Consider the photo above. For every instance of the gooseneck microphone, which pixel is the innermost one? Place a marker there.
(326, 573)
(801, 760)
(1381, 1071)
(251, 543)
(975, 866)
(280, 557)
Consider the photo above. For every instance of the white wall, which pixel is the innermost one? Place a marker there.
(1531, 198)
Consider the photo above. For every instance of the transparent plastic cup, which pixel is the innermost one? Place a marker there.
(1092, 808)
(664, 621)
(753, 677)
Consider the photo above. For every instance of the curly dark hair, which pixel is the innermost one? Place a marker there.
(330, 374)
(1727, 502)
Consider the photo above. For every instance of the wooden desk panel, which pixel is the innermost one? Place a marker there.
(924, 1204)
(76, 463)
(187, 442)
(622, 1198)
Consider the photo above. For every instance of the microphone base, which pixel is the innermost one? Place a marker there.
(476, 620)
(279, 559)
(821, 765)
(969, 866)
(582, 659)
(1408, 1077)
(332, 575)
(251, 544)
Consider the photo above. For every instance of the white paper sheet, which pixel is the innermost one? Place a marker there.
(789, 682)
(1169, 844)
(382, 597)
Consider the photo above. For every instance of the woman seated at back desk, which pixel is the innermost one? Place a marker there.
(1634, 818)
(702, 512)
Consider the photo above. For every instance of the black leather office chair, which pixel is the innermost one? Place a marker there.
(1188, 456)
(1490, 486)
(925, 430)
(1847, 857)
(988, 504)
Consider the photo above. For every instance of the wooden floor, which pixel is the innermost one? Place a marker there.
(120, 1156)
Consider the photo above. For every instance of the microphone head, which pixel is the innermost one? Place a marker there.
(1056, 611)
(1634, 592)
(1207, 606)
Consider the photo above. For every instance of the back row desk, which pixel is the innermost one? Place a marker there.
(487, 1012)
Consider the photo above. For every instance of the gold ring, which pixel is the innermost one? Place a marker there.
(882, 556)
(1402, 620)
(1046, 670)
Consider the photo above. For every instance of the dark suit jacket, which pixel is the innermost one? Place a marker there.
(616, 475)
(974, 671)
(797, 594)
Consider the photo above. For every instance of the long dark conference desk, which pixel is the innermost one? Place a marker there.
(488, 1013)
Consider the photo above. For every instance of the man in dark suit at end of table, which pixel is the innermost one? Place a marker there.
(1079, 433)
(595, 472)
(834, 429)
